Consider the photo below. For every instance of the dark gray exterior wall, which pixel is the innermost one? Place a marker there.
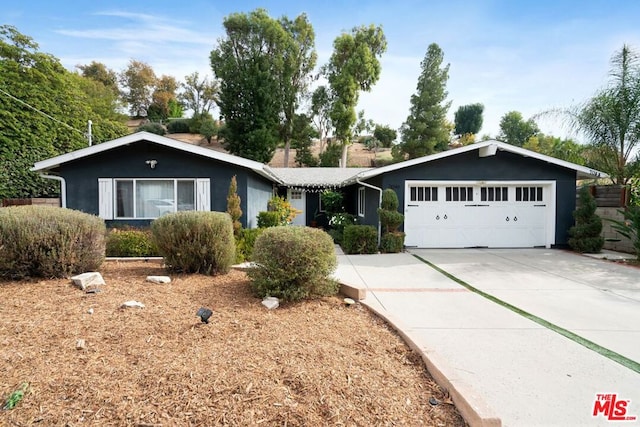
(129, 162)
(259, 192)
(503, 166)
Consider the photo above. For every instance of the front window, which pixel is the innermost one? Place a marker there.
(151, 198)
(361, 199)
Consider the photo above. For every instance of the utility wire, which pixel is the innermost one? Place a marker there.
(43, 113)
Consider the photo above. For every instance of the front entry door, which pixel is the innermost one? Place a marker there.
(297, 199)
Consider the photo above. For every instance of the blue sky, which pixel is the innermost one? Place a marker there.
(528, 56)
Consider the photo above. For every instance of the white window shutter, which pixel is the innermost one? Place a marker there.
(203, 194)
(105, 198)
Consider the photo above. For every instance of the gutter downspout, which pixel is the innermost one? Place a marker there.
(364, 184)
(63, 188)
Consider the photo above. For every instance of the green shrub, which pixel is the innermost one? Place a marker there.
(286, 212)
(208, 129)
(360, 239)
(293, 263)
(196, 121)
(195, 242)
(337, 223)
(156, 128)
(245, 240)
(390, 220)
(178, 126)
(392, 243)
(389, 200)
(586, 236)
(630, 227)
(45, 241)
(332, 201)
(268, 219)
(130, 243)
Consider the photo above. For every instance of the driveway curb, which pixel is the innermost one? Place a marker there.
(472, 407)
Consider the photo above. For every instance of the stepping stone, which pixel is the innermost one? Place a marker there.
(88, 280)
(159, 279)
(132, 304)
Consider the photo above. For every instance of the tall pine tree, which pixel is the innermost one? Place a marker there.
(426, 129)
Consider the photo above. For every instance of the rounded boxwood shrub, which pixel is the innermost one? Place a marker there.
(392, 243)
(293, 263)
(360, 239)
(156, 128)
(46, 241)
(130, 242)
(195, 242)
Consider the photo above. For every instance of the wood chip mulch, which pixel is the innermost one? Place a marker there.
(306, 364)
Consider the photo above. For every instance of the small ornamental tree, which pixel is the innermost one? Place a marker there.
(233, 206)
(392, 240)
(585, 236)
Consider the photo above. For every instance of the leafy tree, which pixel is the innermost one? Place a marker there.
(321, 113)
(299, 61)
(354, 66)
(586, 234)
(515, 130)
(163, 95)
(99, 72)
(330, 157)
(468, 119)
(302, 140)
(199, 95)
(44, 113)
(385, 135)
(209, 129)
(426, 129)
(610, 120)
(249, 62)
(564, 149)
(138, 82)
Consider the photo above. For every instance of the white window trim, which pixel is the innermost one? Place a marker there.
(361, 201)
(108, 204)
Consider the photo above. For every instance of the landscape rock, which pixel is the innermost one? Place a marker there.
(271, 302)
(80, 344)
(132, 304)
(159, 279)
(88, 280)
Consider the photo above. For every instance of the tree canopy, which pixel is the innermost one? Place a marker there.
(468, 119)
(515, 130)
(251, 62)
(426, 129)
(44, 113)
(198, 95)
(138, 82)
(354, 66)
(610, 120)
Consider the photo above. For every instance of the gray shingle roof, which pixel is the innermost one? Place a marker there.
(316, 177)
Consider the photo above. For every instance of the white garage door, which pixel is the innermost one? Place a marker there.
(487, 214)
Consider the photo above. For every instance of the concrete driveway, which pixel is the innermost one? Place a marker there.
(534, 334)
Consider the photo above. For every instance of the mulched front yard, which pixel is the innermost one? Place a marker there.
(311, 363)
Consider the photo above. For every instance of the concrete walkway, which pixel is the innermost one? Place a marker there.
(497, 363)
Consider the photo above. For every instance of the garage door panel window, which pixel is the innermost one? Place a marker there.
(494, 194)
(459, 194)
(423, 194)
(529, 194)
(144, 198)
